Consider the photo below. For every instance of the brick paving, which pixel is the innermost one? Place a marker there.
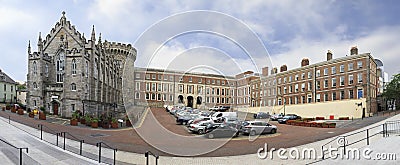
(127, 139)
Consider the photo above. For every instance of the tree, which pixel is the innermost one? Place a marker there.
(392, 91)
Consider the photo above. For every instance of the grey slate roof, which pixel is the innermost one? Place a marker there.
(5, 78)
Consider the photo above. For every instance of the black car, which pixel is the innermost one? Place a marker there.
(220, 131)
(262, 115)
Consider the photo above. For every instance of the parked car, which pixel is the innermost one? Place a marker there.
(258, 127)
(275, 117)
(200, 127)
(184, 119)
(221, 131)
(199, 119)
(288, 117)
(262, 115)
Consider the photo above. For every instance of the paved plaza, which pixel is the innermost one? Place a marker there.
(46, 152)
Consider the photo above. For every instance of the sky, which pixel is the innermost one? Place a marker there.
(224, 37)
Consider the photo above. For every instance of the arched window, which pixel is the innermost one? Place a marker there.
(60, 67)
(46, 69)
(35, 85)
(34, 68)
(73, 67)
(73, 87)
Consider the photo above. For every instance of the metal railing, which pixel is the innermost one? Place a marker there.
(18, 148)
(99, 145)
(147, 153)
(391, 127)
(342, 141)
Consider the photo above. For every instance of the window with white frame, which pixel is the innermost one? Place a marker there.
(341, 80)
(333, 95)
(159, 88)
(309, 86)
(333, 71)
(359, 77)
(350, 66)
(137, 75)
(341, 68)
(147, 96)
(351, 79)
(341, 95)
(153, 86)
(359, 64)
(137, 95)
(153, 96)
(137, 86)
(309, 75)
(325, 71)
(296, 87)
(333, 82)
(318, 97)
(318, 73)
(303, 87)
(325, 83)
(147, 86)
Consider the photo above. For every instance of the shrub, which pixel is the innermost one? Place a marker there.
(343, 118)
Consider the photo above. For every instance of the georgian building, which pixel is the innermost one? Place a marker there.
(69, 72)
(156, 87)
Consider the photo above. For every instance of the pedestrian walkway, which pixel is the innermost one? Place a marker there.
(39, 152)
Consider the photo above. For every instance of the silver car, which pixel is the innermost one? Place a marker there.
(257, 127)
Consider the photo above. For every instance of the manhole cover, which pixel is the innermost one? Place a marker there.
(98, 135)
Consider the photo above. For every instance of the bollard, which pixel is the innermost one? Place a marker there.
(80, 147)
(9, 118)
(99, 145)
(64, 139)
(367, 136)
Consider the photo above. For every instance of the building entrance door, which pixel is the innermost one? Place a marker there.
(55, 108)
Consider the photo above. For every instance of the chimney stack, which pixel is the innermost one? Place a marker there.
(283, 68)
(305, 62)
(329, 55)
(265, 71)
(274, 70)
(354, 50)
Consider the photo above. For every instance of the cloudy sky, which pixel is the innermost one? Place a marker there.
(233, 37)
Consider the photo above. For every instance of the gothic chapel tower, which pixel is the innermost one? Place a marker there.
(69, 73)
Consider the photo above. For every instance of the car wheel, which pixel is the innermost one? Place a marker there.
(200, 132)
(184, 123)
(273, 131)
(252, 133)
(211, 136)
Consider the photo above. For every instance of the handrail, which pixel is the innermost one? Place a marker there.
(98, 144)
(147, 153)
(80, 141)
(18, 148)
(331, 140)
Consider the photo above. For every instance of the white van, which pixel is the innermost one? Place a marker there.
(218, 116)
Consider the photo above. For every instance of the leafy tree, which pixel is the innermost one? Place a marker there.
(392, 91)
